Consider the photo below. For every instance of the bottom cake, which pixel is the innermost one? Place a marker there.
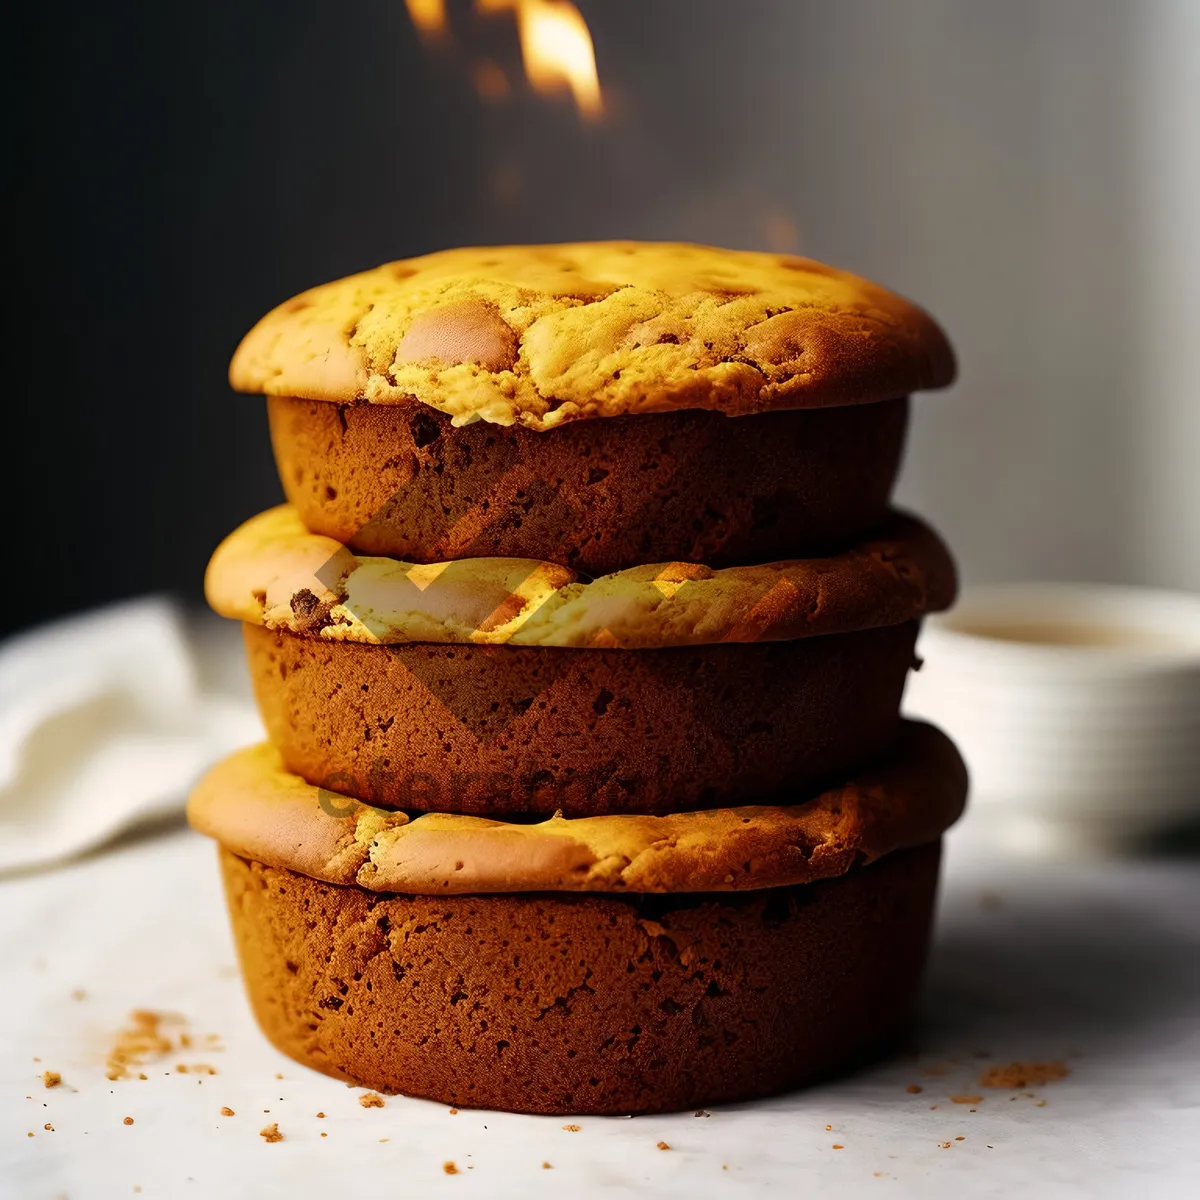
(566, 1003)
(610, 964)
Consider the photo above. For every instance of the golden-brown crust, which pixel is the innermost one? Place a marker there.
(583, 1004)
(272, 572)
(545, 334)
(258, 811)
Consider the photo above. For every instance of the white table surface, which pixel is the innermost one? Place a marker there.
(1095, 963)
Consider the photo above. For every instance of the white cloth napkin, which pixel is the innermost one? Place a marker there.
(104, 725)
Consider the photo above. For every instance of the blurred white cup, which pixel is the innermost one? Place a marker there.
(1076, 707)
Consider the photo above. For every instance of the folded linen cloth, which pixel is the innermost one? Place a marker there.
(104, 725)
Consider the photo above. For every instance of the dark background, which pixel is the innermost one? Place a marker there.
(1018, 168)
(182, 170)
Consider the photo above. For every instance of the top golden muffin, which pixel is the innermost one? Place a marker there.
(540, 335)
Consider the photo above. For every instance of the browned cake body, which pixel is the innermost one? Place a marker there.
(503, 729)
(584, 1004)
(597, 496)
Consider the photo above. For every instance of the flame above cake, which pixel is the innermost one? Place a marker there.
(556, 46)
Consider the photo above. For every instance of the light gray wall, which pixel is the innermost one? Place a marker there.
(1027, 170)
(976, 157)
(1166, 397)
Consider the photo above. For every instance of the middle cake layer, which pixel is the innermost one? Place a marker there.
(482, 729)
(514, 686)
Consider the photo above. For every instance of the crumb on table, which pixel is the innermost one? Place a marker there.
(1024, 1074)
(271, 1133)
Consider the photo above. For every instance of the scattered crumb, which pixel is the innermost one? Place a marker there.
(1041, 1104)
(29, 1134)
(372, 1100)
(572, 1128)
(385, 1139)
(48, 1126)
(914, 1089)
(36, 1059)
(128, 1120)
(278, 1075)
(271, 1133)
(454, 1112)
(546, 1166)
(724, 1166)
(663, 1146)
(324, 1134)
(449, 1168)
(838, 1146)
(701, 1112)
(181, 1068)
(143, 1075)
(79, 994)
(960, 1138)
(321, 1115)
(226, 1111)
(945, 1145)
(966, 1099)
(1022, 1075)
(51, 1078)
(143, 1040)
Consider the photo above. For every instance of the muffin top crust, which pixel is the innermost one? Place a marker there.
(541, 335)
(272, 572)
(253, 807)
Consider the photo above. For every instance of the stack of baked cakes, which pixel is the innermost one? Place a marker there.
(581, 645)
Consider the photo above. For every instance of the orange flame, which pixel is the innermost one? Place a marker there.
(429, 16)
(556, 48)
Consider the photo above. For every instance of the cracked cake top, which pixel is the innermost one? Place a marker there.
(541, 335)
(272, 572)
